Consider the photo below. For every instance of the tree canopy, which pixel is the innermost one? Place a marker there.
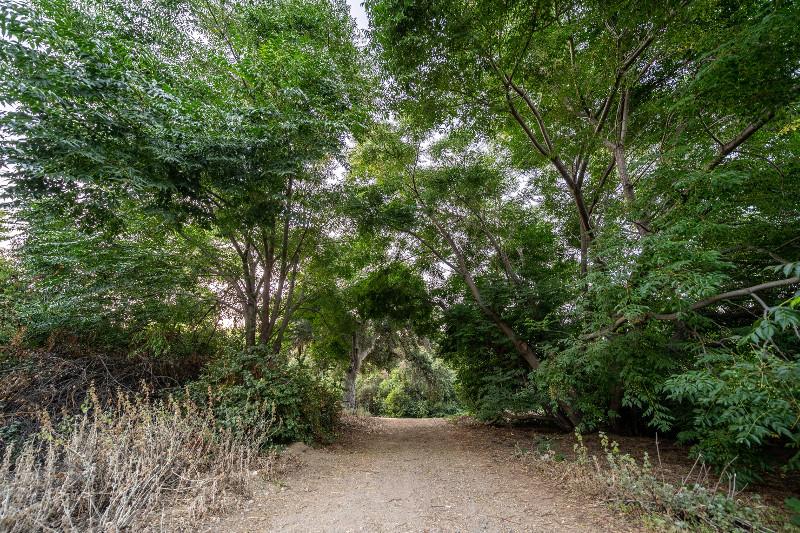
(588, 210)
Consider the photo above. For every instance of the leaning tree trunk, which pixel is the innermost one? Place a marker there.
(250, 323)
(358, 353)
(565, 416)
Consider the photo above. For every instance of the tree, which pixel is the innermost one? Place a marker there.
(658, 140)
(358, 301)
(457, 204)
(222, 115)
(582, 90)
(134, 285)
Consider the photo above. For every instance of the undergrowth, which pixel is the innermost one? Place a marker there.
(136, 464)
(695, 502)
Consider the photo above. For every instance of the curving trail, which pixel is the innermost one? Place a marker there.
(416, 475)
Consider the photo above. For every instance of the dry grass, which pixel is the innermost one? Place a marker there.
(127, 466)
(36, 381)
(357, 420)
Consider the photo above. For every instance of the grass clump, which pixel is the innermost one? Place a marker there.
(136, 464)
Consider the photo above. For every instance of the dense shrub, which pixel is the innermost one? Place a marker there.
(732, 396)
(10, 290)
(741, 404)
(504, 393)
(743, 395)
(236, 386)
(493, 380)
(369, 395)
(412, 389)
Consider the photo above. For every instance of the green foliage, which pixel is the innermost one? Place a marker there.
(502, 393)
(793, 504)
(686, 505)
(423, 387)
(242, 387)
(172, 105)
(137, 287)
(11, 291)
(396, 293)
(369, 395)
(607, 385)
(221, 119)
(584, 206)
(492, 378)
(662, 252)
(742, 403)
(744, 396)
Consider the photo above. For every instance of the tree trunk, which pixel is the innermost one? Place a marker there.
(250, 319)
(350, 378)
(358, 353)
(584, 258)
(640, 224)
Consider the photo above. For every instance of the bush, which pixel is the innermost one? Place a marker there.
(744, 392)
(117, 468)
(369, 395)
(404, 397)
(11, 290)
(742, 403)
(501, 394)
(413, 389)
(692, 502)
(687, 505)
(238, 384)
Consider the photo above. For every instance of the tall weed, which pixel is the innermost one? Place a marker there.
(126, 466)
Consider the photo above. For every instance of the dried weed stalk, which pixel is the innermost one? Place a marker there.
(122, 467)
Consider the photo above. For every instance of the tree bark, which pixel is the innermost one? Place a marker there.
(350, 377)
(358, 354)
(745, 134)
(250, 303)
(250, 323)
(268, 325)
(640, 224)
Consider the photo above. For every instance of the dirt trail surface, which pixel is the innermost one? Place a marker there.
(416, 475)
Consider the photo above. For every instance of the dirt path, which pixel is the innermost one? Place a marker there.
(416, 475)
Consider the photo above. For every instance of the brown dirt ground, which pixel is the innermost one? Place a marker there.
(417, 475)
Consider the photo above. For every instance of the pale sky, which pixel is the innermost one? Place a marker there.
(357, 10)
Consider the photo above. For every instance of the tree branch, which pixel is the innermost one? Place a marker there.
(747, 291)
(745, 134)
